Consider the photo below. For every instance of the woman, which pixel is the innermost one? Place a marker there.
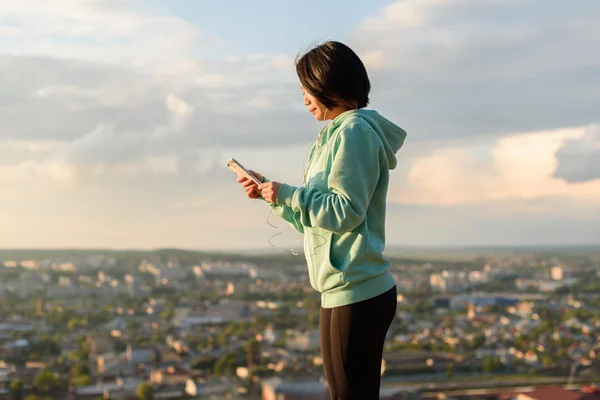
(341, 211)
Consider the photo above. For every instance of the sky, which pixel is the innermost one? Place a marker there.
(117, 118)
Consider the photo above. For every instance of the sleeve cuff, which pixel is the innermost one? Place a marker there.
(286, 194)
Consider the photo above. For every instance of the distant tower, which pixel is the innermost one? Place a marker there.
(471, 311)
(250, 354)
(253, 352)
(71, 387)
(155, 360)
(39, 311)
(100, 369)
(230, 289)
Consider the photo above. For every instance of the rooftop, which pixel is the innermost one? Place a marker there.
(279, 385)
(556, 393)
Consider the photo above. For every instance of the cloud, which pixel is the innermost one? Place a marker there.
(49, 99)
(71, 98)
(508, 223)
(517, 168)
(579, 158)
(27, 170)
(467, 68)
(446, 70)
(81, 80)
(106, 148)
(104, 120)
(107, 144)
(77, 29)
(128, 129)
(178, 106)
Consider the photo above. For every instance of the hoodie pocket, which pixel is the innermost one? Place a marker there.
(325, 275)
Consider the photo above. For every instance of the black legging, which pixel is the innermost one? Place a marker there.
(352, 339)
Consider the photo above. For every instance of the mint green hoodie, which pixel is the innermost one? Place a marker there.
(341, 208)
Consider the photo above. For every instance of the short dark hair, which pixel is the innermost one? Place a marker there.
(334, 75)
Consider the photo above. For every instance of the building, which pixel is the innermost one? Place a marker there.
(459, 302)
(551, 286)
(270, 335)
(438, 282)
(304, 341)
(99, 344)
(225, 271)
(121, 388)
(478, 277)
(277, 389)
(133, 286)
(398, 393)
(188, 317)
(63, 290)
(448, 281)
(557, 273)
(169, 376)
(197, 387)
(39, 308)
(141, 355)
(557, 393)
(17, 325)
(441, 302)
(400, 361)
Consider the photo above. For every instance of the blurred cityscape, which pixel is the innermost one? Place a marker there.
(173, 324)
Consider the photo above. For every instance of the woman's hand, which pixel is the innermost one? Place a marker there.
(249, 186)
(269, 191)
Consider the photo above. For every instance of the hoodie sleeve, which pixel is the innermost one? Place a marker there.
(351, 182)
(286, 213)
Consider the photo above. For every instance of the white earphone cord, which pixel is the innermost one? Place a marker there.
(304, 167)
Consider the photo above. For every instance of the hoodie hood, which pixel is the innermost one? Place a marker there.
(391, 135)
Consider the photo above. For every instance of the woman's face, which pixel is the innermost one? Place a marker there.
(314, 106)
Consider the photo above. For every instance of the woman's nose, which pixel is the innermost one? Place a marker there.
(306, 100)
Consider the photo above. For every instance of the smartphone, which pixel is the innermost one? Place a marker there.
(239, 170)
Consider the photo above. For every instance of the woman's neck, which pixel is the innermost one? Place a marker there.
(331, 114)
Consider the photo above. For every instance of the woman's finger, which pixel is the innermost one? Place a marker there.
(256, 174)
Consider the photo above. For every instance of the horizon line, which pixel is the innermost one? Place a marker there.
(229, 250)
